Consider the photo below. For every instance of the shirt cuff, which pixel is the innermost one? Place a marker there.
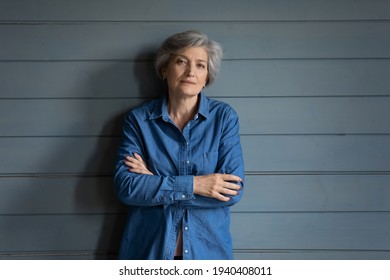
(184, 187)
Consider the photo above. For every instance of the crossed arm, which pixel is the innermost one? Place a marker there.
(218, 186)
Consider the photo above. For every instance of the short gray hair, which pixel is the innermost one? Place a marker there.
(191, 38)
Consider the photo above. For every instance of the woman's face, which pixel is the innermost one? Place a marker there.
(186, 72)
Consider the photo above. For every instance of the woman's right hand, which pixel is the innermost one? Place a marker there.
(217, 186)
(136, 164)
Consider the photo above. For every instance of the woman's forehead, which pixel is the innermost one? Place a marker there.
(198, 53)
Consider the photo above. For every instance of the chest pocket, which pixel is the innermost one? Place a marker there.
(210, 162)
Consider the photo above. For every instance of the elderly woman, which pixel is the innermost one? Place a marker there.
(180, 165)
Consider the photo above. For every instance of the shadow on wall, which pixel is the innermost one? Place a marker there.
(99, 199)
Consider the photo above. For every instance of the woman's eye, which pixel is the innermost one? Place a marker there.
(201, 66)
(181, 62)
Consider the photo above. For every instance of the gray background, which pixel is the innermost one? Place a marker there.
(309, 80)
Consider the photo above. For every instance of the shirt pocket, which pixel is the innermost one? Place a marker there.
(210, 162)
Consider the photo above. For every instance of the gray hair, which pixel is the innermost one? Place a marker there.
(191, 38)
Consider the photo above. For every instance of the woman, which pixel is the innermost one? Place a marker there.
(180, 162)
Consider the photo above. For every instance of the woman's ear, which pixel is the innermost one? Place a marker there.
(164, 73)
(207, 82)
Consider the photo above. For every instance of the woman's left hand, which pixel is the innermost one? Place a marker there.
(136, 164)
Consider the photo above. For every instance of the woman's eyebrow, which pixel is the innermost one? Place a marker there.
(185, 57)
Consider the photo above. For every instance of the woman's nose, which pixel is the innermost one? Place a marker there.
(190, 69)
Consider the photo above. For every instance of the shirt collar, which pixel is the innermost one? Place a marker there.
(203, 106)
(160, 109)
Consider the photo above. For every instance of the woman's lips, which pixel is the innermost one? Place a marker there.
(189, 82)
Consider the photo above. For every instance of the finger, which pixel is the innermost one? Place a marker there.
(134, 166)
(229, 189)
(134, 160)
(231, 186)
(129, 158)
(137, 170)
(140, 171)
(229, 192)
(130, 161)
(138, 157)
(127, 163)
(222, 197)
(231, 178)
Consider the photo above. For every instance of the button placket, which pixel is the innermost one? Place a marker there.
(186, 148)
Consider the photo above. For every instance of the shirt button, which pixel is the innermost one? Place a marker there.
(183, 196)
(185, 228)
(186, 251)
(188, 162)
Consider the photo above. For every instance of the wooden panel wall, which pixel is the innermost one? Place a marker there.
(309, 80)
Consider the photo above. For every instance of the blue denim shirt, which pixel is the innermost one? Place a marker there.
(160, 204)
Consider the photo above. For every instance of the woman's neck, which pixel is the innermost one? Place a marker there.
(182, 110)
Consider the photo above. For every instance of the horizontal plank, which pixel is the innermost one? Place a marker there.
(311, 231)
(313, 153)
(237, 254)
(60, 233)
(270, 193)
(303, 77)
(61, 255)
(321, 193)
(369, 39)
(266, 153)
(285, 231)
(116, 79)
(75, 79)
(118, 10)
(310, 255)
(327, 115)
(80, 155)
(58, 195)
(64, 117)
(104, 117)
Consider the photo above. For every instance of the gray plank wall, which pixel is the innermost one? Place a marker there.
(309, 79)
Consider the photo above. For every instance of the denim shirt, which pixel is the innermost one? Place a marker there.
(160, 204)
